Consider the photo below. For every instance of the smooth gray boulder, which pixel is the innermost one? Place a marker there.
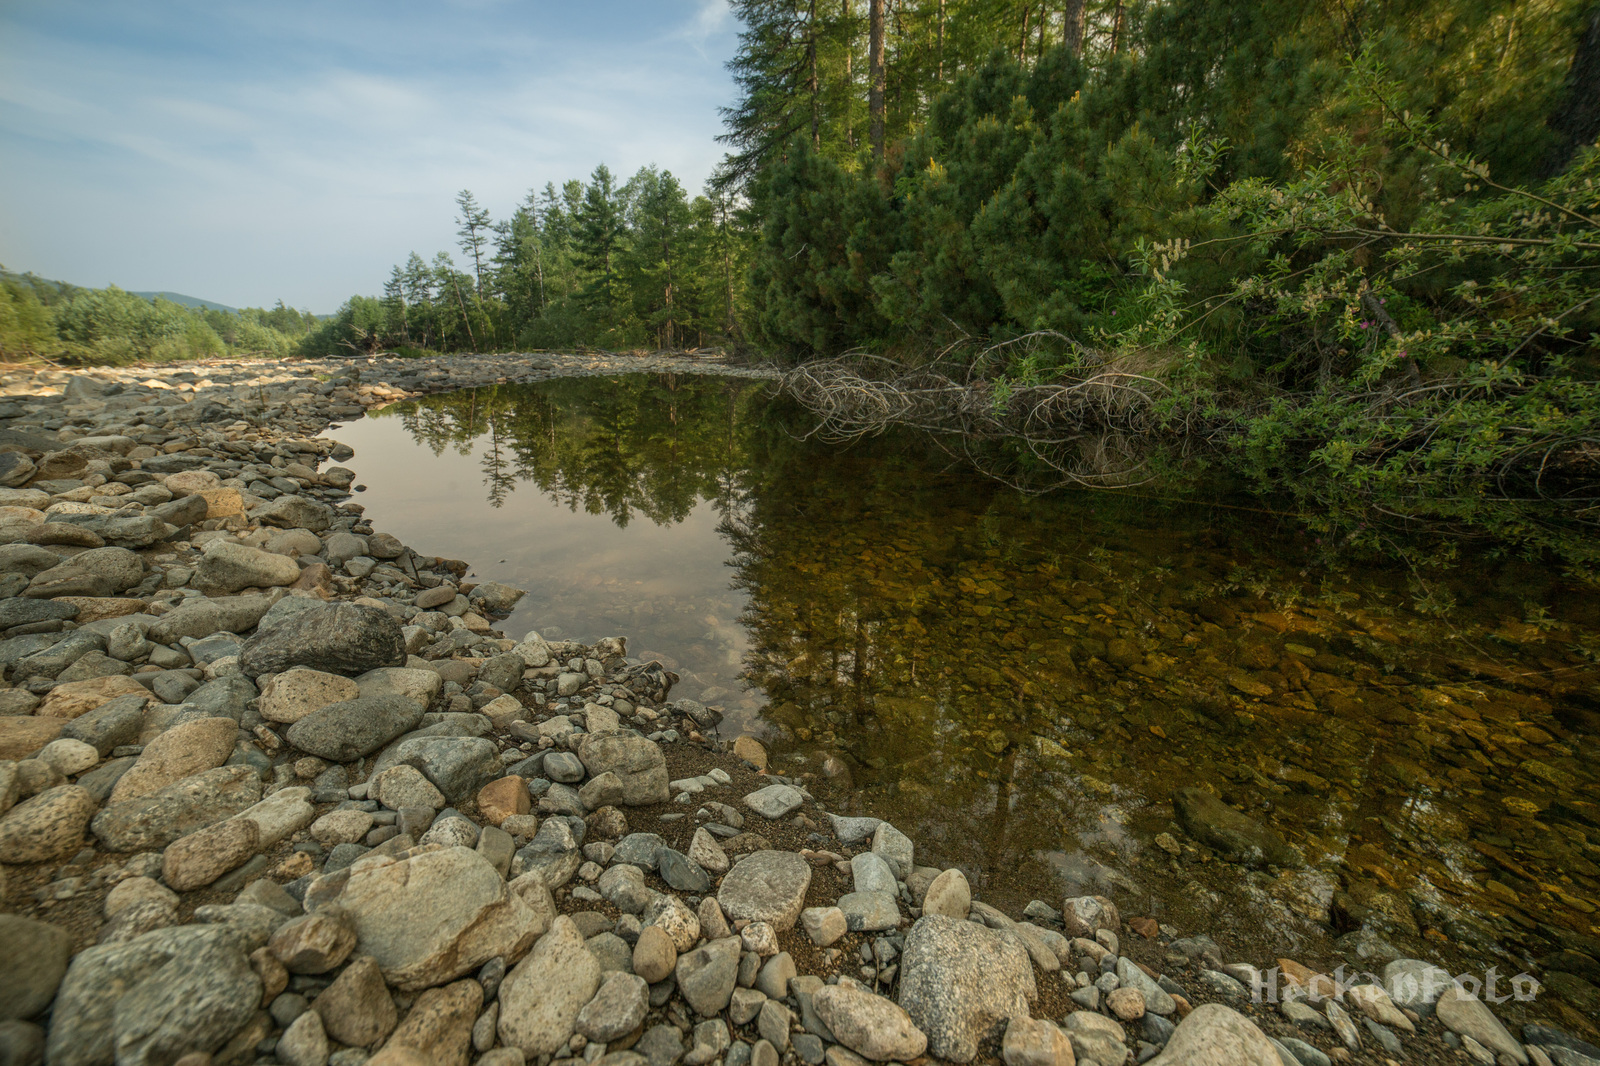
(201, 618)
(354, 729)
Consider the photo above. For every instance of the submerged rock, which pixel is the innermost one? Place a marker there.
(1234, 835)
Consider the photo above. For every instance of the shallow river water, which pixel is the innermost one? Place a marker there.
(1020, 683)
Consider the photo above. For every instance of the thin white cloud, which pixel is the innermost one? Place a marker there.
(303, 168)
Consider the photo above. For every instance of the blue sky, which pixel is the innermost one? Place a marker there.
(250, 152)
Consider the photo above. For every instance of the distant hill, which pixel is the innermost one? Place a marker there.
(187, 301)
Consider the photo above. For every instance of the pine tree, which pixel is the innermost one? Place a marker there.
(598, 236)
(474, 232)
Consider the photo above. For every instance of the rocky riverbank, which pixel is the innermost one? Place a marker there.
(275, 789)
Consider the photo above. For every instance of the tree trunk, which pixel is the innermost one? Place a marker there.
(1117, 16)
(847, 20)
(811, 82)
(1072, 26)
(1577, 119)
(875, 76)
(1022, 42)
(939, 78)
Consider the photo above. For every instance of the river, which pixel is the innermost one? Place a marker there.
(1021, 682)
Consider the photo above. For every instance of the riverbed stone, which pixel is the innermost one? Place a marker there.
(617, 1008)
(949, 895)
(871, 1025)
(291, 511)
(294, 694)
(48, 826)
(457, 766)
(1467, 1016)
(36, 955)
(542, 997)
(439, 1025)
(337, 638)
(403, 786)
(867, 912)
(668, 913)
(1156, 999)
(304, 1042)
(958, 979)
(186, 749)
(775, 801)
(77, 698)
(1094, 1037)
(228, 566)
(228, 614)
(1215, 1035)
(706, 976)
(1375, 1003)
(1029, 1042)
(355, 728)
(314, 943)
(1416, 985)
(154, 998)
(96, 572)
(638, 763)
(768, 886)
(203, 856)
(357, 1009)
(895, 848)
(110, 725)
(1232, 834)
(434, 916)
(824, 925)
(151, 822)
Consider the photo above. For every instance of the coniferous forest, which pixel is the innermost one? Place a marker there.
(1347, 252)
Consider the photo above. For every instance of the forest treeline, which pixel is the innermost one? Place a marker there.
(602, 264)
(67, 323)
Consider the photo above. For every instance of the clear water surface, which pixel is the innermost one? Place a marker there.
(1020, 682)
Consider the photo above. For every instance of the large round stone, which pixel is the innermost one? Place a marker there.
(339, 638)
(230, 566)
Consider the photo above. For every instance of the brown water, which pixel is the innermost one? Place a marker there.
(1020, 683)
